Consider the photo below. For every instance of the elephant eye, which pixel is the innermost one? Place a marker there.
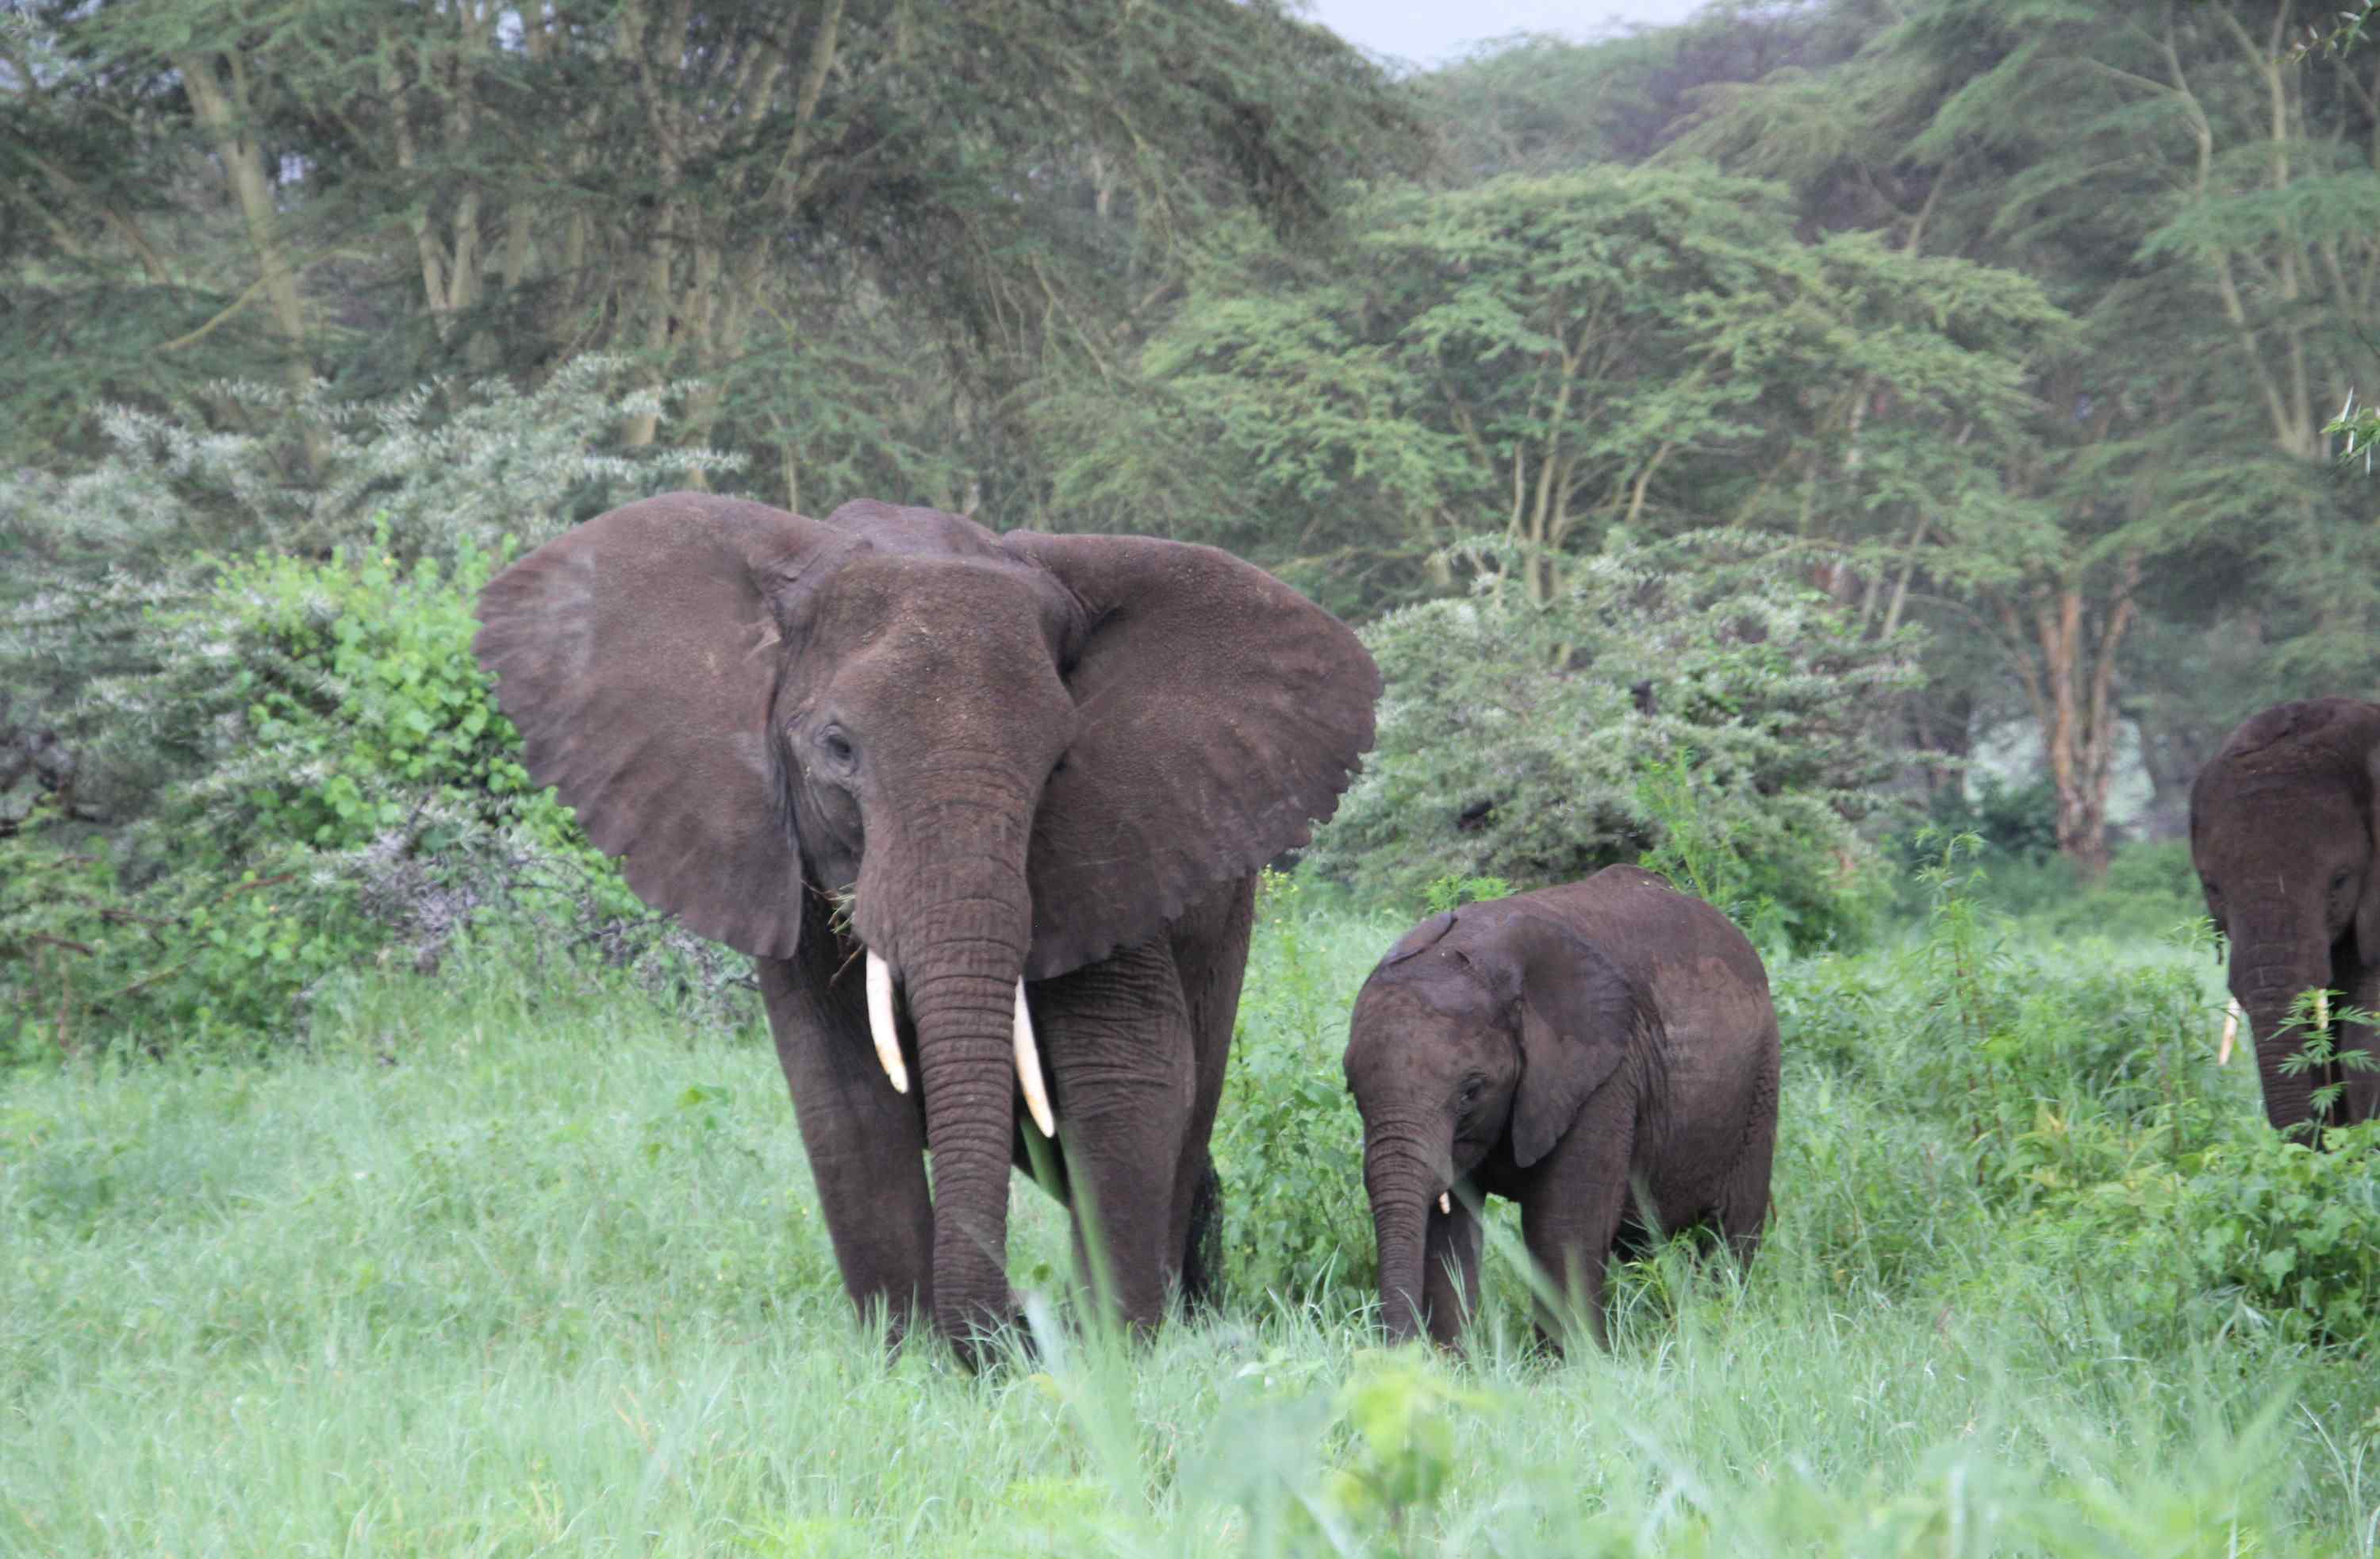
(837, 745)
(1470, 1094)
(2339, 878)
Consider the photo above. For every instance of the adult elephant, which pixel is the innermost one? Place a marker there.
(2282, 824)
(1603, 1053)
(1031, 777)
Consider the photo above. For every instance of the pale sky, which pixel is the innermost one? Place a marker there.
(1429, 32)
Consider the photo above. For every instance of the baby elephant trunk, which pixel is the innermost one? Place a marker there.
(1403, 1174)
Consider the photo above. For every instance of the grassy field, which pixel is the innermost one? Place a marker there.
(497, 1269)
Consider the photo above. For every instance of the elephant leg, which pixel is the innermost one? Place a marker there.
(1742, 1209)
(1450, 1269)
(1571, 1213)
(866, 1143)
(1211, 954)
(1115, 1037)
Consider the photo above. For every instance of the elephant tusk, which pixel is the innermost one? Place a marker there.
(1029, 1069)
(1446, 1203)
(2230, 1033)
(880, 1022)
(2322, 1010)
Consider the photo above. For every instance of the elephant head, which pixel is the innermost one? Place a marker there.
(1484, 1028)
(2281, 828)
(1005, 756)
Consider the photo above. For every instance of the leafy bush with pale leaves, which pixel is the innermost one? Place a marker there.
(1524, 738)
(89, 564)
(343, 787)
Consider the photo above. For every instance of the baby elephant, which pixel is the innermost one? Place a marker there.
(1600, 1052)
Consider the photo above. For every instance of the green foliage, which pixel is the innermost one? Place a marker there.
(1294, 1220)
(2147, 892)
(2346, 31)
(2323, 1024)
(489, 1265)
(1559, 354)
(1514, 737)
(1450, 892)
(2015, 822)
(202, 955)
(332, 740)
(358, 705)
(96, 568)
(1402, 1458)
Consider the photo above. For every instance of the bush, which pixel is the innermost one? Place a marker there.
(1515, 737)
(1287, 1142)
(89, 564)
(337, 744)
(2249, 1228)
(2015, 822)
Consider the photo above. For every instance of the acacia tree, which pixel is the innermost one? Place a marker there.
(1645, 348)
(2209, 214)
(860, 224)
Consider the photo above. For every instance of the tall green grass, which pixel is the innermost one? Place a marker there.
(503, 1267)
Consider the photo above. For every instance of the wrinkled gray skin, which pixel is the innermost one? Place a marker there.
(2281, 827)
(1594, 1052)
(1057, 757)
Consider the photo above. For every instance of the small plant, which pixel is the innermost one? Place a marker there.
(1452, 891)
(1959, 924)
(2320, 1052)
(1402, 1463)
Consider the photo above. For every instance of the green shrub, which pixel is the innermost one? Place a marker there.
(2015, 822)
(1515, 734)
(1451, 891)
(1287, 1142)
(2249, 1228)
(195, 955)
(337, 744)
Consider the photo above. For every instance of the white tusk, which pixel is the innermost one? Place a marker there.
(2322, 1010)
(2230, 1033)
(1445, 1203)
(880, 1022)
(1029, 1069)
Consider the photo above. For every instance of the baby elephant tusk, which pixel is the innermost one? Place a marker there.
(2230, 1033)
(1446, 1203)
(880, 1022)
(1029, 1069)
(2322, 1010)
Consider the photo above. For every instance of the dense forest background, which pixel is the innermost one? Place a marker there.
(2015, 330)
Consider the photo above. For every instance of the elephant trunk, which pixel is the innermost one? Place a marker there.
(1403, 1171)
(957, 942)
(2267, 977)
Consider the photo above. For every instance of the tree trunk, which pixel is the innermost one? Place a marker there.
(225, 114)
(2070, 671)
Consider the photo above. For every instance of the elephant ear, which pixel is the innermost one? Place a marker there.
(1419, 940)
(1579, 1014)
(635, 655)
(1220, 712)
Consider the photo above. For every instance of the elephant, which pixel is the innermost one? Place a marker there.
(1603, 1052)
(1025, 782)
(2282, 824)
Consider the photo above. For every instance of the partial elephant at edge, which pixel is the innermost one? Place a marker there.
(2283, 823)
